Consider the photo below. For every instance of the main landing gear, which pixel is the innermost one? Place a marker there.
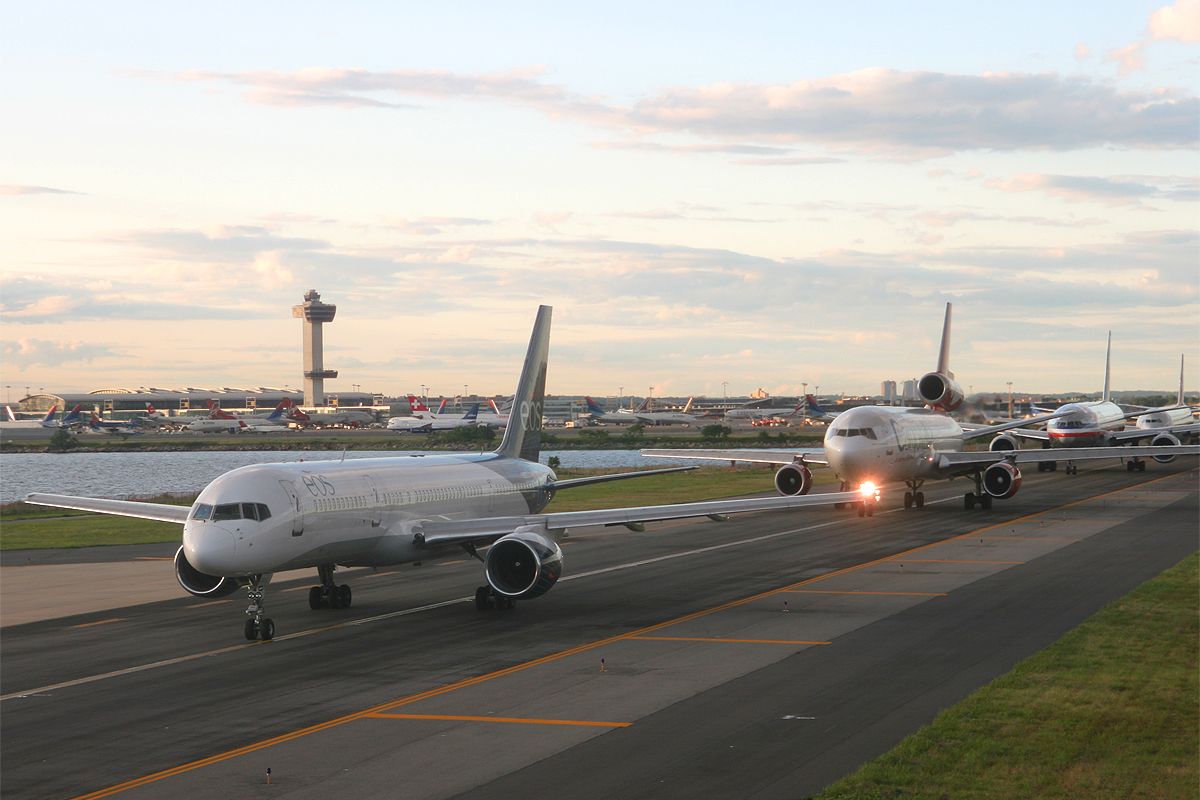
(913, 497)
(329, 594)
(258, 626)
(865, 508)
(978, 496)
(1135, 465)
(1047, 466)
(486, 598)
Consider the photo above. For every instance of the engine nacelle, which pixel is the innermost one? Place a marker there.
(793, 479)
(1164, 440)
(1003, 443)
(940, 391)
(1002, 480)
(200, 584)
(523, 564)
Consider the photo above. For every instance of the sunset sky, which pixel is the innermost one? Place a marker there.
(762, 194)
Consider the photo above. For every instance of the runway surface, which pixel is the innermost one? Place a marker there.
(761, 657)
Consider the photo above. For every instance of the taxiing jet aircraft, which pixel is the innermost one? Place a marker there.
(1101, 423)
(1171, 421)
(265, 518)
(879, 444)
(124, 427)
(812, 410)
(644, 414)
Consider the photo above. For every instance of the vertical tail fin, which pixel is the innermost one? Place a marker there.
(593, 407)
(943, 365)
(1179, 398)
(472, 413)
(687, 408)
(9, 416)
(494, 407)
(1107, 367)
(48, 420)
(523, 436)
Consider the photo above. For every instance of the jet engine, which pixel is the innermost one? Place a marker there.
(940, 391)
(793, 479)
(1003, 443)
(1164, 440)
(198, 583)
(523, 564)
(1002, 480)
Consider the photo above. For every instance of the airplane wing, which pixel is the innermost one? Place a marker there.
(1015, 426)
(1023, 433)
(950, 461)
(1136, 434)
(571, 483)
(810, 455)
(161, 512)
(487, 529)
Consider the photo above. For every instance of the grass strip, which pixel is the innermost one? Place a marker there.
(1111, 710)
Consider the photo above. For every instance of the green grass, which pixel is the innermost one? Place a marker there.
(1112, 710)
(24, 526)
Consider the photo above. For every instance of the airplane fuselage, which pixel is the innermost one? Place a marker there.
(1087, 425)
(1165, 418)
(360, 512)
(882, 443)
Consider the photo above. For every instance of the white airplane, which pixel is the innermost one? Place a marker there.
(760, 412)
(644, 414)
(126, 427)
(1100, 423)
(1171, 421)
(880, 444)
(10, 420)
(432, 423)
(221, 421)
(265, 518)
(495, 418)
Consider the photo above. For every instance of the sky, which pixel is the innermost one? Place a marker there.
(715, 199)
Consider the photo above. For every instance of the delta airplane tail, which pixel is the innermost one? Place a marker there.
(48, 420)
(75, 417)
(523, 436)
(593, 407)
(277, 414)
(812, 406)
(442, 406)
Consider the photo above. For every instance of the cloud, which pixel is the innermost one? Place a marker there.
(1110, 191)
(25, 352)
(1130, 58)
(431, 226)
(1179, 22)
(878, 111)
(16, 189)
(36, 300)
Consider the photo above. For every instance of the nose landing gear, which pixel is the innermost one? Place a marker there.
(914, 498)
(258, 626)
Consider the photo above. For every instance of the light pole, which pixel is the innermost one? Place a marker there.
(424, 393)
(725, 392)
(620, 397)
(465, 392)
(1010, 404)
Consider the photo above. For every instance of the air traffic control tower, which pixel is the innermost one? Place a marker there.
(315, 314)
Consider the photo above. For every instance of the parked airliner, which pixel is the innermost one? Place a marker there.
(880, 444)
(10, 420)
(265, 518)
(435, 423)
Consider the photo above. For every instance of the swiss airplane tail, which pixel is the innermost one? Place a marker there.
(416, 404)
(523, 436)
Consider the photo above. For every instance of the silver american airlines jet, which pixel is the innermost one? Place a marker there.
(257, 520)
(881, 444)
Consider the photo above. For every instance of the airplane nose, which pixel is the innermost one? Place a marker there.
(209, 548)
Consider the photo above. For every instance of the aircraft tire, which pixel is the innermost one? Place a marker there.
(344, 596)
(919, 499)
(250, 630)
(1141, 466)
(315, 600)
(985, 502)
(968, 501)
(908, 500)
(483, 600)
(266, 630)
(862, 509)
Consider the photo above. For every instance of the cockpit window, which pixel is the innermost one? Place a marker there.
(867, 432)
(203, 511)
(227, 511)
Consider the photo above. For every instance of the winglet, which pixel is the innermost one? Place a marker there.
(1107, 367)
(523, 436)
(943, 365)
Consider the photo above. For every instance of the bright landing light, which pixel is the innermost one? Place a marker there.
(869, 490)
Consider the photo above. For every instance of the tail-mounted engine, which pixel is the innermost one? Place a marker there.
(1164, 440)
(1002, 480)
(940, 391)
(793, 479)
(1003, 443)
(523, 564)
(200, 584)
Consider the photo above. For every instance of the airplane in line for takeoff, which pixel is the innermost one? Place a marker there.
(880, 444)
(644, 414)
(1101, 423)
(265, 518)
(435, 423)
